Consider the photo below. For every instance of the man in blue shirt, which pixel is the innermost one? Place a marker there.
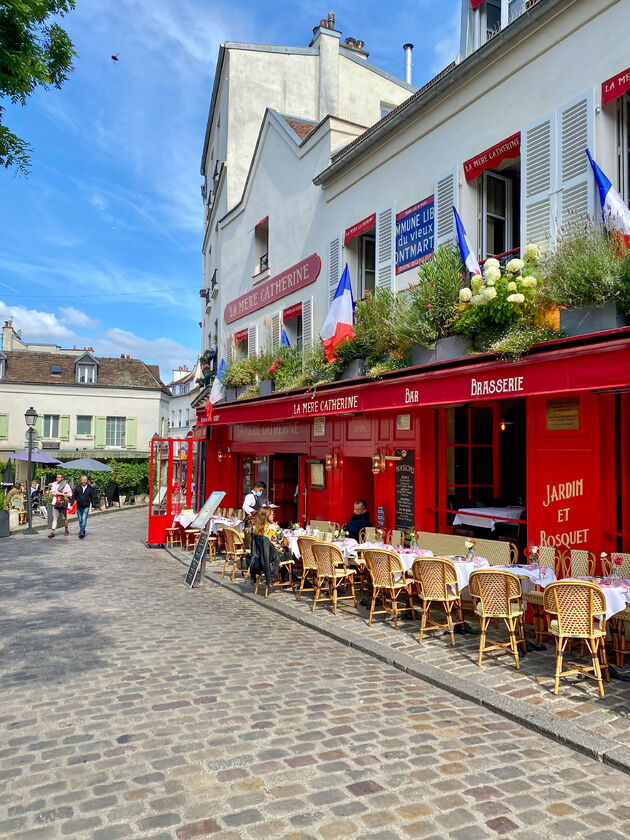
(359, 520)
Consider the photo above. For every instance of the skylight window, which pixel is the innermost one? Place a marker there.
(55, 369)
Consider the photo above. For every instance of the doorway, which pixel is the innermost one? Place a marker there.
(284, 487)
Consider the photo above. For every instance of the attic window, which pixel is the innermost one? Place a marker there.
(56, 369)
(2, 367)
(86, 373)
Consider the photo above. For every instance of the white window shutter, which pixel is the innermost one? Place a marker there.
(445, 197)
(252, 341)
(385, 247)
(334, 265)
(576, 185)
(229, 349)
(538, 179)
(307, 323)
(275, 331)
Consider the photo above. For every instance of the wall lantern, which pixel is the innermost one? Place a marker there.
(221, 455)
(331, 461)
(378, 463)
(504, 424)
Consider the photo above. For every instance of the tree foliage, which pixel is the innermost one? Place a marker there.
(35, 51)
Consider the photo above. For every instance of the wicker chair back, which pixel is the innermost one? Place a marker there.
(233, 539)
(368, 535)
(435, 575)
(396, 538)
(327, 556)
(575, 605)
(609, 566)
(382, 566)
(578, 562)
(305, 545)
(496, 552)
(496, 590)
(547, 557)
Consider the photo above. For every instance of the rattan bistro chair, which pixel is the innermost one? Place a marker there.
(577, 562)
(437, 581)
(389, 580)
(235, 549)
(576, 609)
(309, 564)
(396, 538)
(548, 557)
(369, 534)
(331, 572)
(620, 620)
(498, 595)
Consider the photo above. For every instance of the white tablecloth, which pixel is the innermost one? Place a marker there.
(471, 516)
(218, 522)
(617, 595)
(346, 545)
(184, 519)
(530, 576)
(464, 569)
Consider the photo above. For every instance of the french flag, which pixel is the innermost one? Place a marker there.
(338, 324)
(468, 257)
(615, 214)
(218, 388)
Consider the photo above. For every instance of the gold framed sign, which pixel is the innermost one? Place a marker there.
(317, 479)
(563, 415)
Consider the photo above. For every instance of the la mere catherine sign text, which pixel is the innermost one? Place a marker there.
(302, 274)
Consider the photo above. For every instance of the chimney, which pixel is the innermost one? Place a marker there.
(408, 48)
(331, 20)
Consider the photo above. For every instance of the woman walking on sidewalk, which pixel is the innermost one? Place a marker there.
(61, 496)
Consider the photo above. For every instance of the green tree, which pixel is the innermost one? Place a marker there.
(34, 52)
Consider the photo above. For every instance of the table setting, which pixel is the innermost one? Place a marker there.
(531, 575)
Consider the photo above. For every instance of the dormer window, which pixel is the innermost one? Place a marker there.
(86, 374)
(3, 365)
(86, 369)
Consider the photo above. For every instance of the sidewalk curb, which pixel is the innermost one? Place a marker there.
(43, 526)
(530, 717)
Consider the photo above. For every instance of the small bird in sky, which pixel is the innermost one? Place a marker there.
(115, 57)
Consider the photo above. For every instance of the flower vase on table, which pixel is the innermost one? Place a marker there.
(469, 545)
(617, 563)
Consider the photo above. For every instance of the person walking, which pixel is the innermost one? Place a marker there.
(84, 496)
(62, 493)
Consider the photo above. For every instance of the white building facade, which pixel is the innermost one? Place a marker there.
(501, 135)
(184, 387)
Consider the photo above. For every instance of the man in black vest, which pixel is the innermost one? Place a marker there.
(84, 496)
(255, 499)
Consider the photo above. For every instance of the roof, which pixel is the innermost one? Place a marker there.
(436, 87)
(301, 127)
(31, 367)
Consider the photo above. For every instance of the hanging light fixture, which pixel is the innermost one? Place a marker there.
(331, 461)
(378, 463)
(504, 424)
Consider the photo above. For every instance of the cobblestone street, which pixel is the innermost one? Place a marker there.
(135, 708)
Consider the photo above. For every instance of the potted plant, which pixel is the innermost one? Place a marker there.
(588, 274)
(239, 375)
(434, 308)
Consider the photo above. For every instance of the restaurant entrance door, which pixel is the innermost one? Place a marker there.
(283, 487)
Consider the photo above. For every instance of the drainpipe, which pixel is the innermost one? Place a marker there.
(408, 48)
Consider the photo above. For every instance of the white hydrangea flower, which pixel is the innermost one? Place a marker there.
(512, 287)
(476, 284)
(477, 299)
(517, 298)
(514, 266)
(491, 273)
(491, 263)
(489, 293)
(529, 282)
(490, 282)
(531, 253)
(465, 295)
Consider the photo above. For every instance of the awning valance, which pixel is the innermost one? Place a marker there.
(241, 335)
(290, 312)
(359, 228)
(614, 88)
(492, 157)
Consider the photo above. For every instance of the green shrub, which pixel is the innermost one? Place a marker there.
(432, 305)
(288, 368)
(240, 373)
(584, 269)
(379, 323)
(519, 338)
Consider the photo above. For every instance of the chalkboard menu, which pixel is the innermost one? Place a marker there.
(404, 489)
(380, 516)
(197, 564)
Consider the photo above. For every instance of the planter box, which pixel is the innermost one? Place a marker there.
(5, 531)
(241, 390)
(49, 513)
(581, 321)
(419, 355)
(355, 369)
(451, 347)
(230, 394)
(266, 387)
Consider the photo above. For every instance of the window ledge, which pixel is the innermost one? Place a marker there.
(262, 275)
(84, 437)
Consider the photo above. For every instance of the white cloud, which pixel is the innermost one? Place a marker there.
(70, 315)
(34, 325)
(165, 352)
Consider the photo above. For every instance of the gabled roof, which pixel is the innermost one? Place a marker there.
(86, 359)
(301, 127)
(26, 366)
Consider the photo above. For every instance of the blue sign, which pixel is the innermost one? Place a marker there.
(414, 235)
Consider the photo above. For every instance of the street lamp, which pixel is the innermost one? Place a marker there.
(31, 418)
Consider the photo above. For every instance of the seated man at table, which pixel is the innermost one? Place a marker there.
(360, 519)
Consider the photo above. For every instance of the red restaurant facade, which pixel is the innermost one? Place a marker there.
(550, 432)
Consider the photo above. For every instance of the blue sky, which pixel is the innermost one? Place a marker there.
(101, 243)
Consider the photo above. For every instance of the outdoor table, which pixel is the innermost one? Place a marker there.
(184, 519)
(617, 593)
(465, 568)
(218, 522)
(483, 517)
(345, 545)
(530, 576)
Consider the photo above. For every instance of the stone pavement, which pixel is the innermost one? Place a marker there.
(577, 715)
(134, 708)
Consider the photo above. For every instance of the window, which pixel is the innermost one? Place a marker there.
(84, 424)
(86, 373)
(55, 369)
(115, 431)
(624, 150)
(487, 20)
(493, 18)
(3, 363)
(261, 246)
(500, 211)
(367, 263)
(386, 108)
(470, 454)
(50, 426)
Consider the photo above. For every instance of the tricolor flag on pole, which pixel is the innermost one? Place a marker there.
(284, 340)
(468, 257)
(218, 389)
(615, 214)
(338, 324)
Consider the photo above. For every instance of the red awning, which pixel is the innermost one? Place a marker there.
(241, 335)
(614, 88)
(290, 312)
(262, 221)
(359, 228)
(474, 4)
(492, 157)
(559, 369)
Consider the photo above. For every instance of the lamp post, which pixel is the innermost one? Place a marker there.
(31, 418)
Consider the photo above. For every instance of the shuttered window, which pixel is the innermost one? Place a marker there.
(385, 247)
(275, 331)
(307, 323)
(252, 341)
(446, 197)
(4, 426)
(334, 266)
(576, 182)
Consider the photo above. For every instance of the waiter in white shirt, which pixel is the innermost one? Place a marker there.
(253, 501)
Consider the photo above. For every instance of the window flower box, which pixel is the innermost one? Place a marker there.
(590, 319)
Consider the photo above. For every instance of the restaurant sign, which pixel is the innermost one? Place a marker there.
(302, 274)
(491, 158)
(414, 235)
(359, 228)
(614, 88)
